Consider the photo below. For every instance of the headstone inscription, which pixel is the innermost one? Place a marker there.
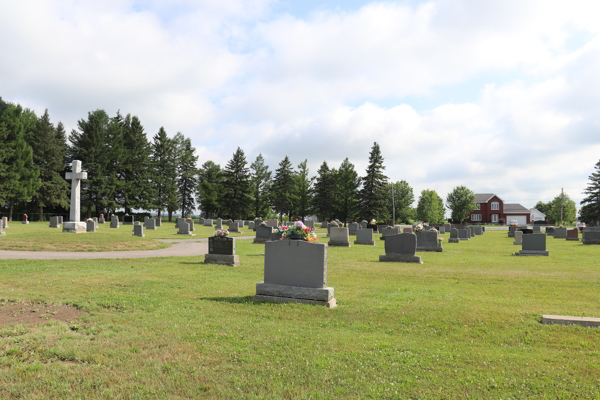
(518, 238)
(364, 237)
(534, 244)
(428, 241)
(572, 234)
(401, 248)
(263, 234)
(454, 236)
(591, 237)
(560, 233)
(221, 250)
(296, 271)
(76, 176)
(90, 225)
(114, 221)
(339, 237)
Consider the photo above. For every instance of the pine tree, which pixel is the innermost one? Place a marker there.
(236, 186)
(260, 182)
(304, 190)
(164, 166)
(49, 150)
(347, 195)
(187, 177)
(92, 145)
(324, 190)
(283, 191)
(590, 212)
(22, 176)
(374, 200)
(209, 189)
(135, 172)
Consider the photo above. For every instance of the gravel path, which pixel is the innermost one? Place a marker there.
(183, 248)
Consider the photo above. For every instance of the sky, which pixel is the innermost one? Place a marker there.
(499, 96)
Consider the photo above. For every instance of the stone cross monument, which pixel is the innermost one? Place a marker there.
(74, 225)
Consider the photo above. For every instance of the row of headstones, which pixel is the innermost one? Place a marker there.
(589, 235)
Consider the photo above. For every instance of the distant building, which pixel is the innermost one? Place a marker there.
(491, 209)
(537, 215)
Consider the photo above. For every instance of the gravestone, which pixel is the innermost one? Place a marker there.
(54, 222)
(511, 231)
(363, 224)
(234, 227)
(146, 218)
(550, 230)
(76, 176)
(185, 229)
(447, 228)
(441, 229)
(90, 226)
(389, 230)
(332, 224)
(192, 225)
(518, 238)
(401, 248)
(296, 271)
(324, 225)
(200, 221)
(591, 237)
(471, 231)
(525, 230)
(339, 237)
(251, 225)
(276, 235)
(158, 221)
(537, 229)
(240, 223)
(218, 224)
(352, 228)
(150, 224)
(178, 221)
(272, 223)
(264, 234)
(534, 244)
(407, 230)
(454, 236)
(101, 219)
(2, 233)
(5, 222)
(428, 241)
(114, 222)
(209, 222)
(364, 237)
(138, 229)
(463, 234)
(560, 233)
(221, 250)
(127, 219)
(373, 226)
(95, 219)
(478, 230)
(573, 234)
(310, 223)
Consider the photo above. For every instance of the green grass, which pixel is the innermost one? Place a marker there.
(463, 324)
(37, 236)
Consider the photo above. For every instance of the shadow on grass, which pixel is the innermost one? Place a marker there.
(238, 299)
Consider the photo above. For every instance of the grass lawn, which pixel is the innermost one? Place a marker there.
(463, 324)
(36, 236)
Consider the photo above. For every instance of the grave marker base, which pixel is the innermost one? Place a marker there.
(570, 320)
(75, 227)
(533, 253)
(572, 238)
(454, 240)
(272, 299)
(371, 243)
(222, 259)
(25, 222)
(439, 249)
(338, 244)
(405, 258)
(295, 294)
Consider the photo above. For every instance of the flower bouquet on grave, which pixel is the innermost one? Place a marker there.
(299, 233)
(433, 230)
(419, 227)
(221, 233)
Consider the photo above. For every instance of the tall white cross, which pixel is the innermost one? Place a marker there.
(76, 176)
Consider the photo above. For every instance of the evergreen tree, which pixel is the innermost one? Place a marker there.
(283, 191)
(430, 207)
(91, 144)
(135, 172)
(209, 189)
(402, 200)
(49, 151)
(590, 212)
(461, 200)
(22, 176)
(236, 184)
(374, 193)
(324, 193)
(347, 194)
(304, 190)
(260, 183)
(187, 177)
(164, 166)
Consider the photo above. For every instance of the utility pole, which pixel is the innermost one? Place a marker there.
(393, 205)
(561, 204)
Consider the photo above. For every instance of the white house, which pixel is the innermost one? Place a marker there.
(537, 215)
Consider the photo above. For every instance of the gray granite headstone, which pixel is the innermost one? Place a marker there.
(518, 238)
(208, 222)
(234, 227)
(591, 237)
(401, 248)
(218, 224)
(463, 234)
(272, 223)
(352, 228)
(363, 224)
(454, 236)
(150, 223)
(387, 231)
(365, 237)
(477, 230)
(114, 221)
(560, 233)
(263, 234)
(185, 229)
(534, 244)
(339, 237)
(54, 222)
(138, 230)
(428, 241)
(537, 229)
(2, 233)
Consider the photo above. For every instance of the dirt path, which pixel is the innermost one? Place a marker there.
(183, 248)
